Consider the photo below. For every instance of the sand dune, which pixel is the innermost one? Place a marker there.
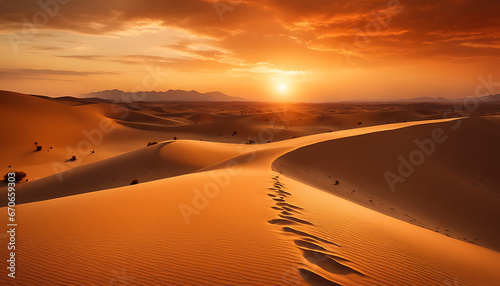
(63, 130)
(166, 159)
(25, 117)
(454, 192)
(228, 213)
(120, 113)
(115, 230)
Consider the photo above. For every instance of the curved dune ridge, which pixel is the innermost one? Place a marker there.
(26, 117)
(311, 210)
(140, 233)
(163, 160)
(108, 234)
(454, 192)
(62, 131)
(71, 126)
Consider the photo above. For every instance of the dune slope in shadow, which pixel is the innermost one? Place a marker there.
(455, 190)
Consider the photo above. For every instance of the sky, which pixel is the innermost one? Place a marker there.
(314, 50)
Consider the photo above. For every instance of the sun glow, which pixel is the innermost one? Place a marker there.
(283, 88)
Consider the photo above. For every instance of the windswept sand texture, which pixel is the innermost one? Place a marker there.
(211, 210)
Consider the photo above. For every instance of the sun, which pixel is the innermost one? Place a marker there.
(282, 88)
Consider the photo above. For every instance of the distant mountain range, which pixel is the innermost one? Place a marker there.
(488, 98)
(491, 98)
(484, 99)
(193, 95)
(158, 96)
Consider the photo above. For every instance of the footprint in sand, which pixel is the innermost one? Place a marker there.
(308, 244)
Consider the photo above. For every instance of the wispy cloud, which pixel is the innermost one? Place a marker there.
(47, 72)
(266, 68)
(46, 48)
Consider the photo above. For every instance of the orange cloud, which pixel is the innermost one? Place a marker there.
(316, 38)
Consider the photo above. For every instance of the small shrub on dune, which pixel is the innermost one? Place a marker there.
(152, 143)
(175, 138)
(73, 158)
(234, 133)
(134, 182)
(360, 123)
(39, 148)
(18, 176)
